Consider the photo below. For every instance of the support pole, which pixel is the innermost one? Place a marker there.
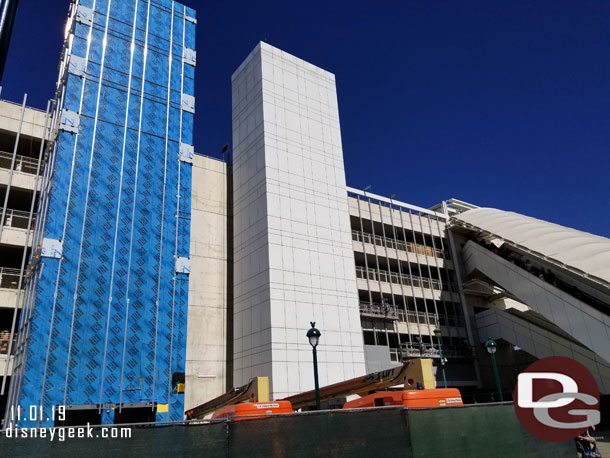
(12, 169)
(497, 376)
(315, 376)
(440, 348)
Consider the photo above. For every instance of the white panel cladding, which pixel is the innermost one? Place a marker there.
(294, 261)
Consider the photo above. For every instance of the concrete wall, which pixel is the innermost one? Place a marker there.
(32, 126)
(33, 119)
(8, 297)
(578, 319)
(207, 309)
(14, 236)
(540, 342)
(20, 180)
(294, 261)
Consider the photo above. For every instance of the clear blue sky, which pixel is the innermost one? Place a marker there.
(499, 103)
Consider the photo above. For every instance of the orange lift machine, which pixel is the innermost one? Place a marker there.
(439, 397)
(250, 410)
(416, 376)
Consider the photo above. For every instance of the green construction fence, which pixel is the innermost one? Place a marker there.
(456, 432)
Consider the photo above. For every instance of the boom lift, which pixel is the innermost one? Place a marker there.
(415, 374)
(256, 390)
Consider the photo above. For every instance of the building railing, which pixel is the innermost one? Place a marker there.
(410, 350)
(451, 320)
(398, 244)
(405, 280)
(379, 311)
(22, 163)
(18, 219)
(458, 352)
(9, 278)
(5, 339)
(391, 312)
(417, 350)
(419, 317)
(394, 355)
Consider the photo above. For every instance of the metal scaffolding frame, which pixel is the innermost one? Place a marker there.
(7, 217)
(82, 89)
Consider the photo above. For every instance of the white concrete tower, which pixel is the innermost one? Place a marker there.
(294, 261)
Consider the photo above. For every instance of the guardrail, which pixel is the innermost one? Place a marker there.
(451, 320)
(9, 278)
(431, 351)
(405, 280)
(391, 312)
(416, 350)
(379, 311)
(398, 244)
(5, 338)
(419, 317)
(22, 163)
(18, 219)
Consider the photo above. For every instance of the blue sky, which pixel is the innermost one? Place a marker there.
(499, 103)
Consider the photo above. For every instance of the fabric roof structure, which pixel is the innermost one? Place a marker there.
(576, 250)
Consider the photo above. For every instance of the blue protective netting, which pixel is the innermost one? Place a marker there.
(109, 317)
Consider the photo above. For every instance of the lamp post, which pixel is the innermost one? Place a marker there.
(437, 333)
(491, 347)
(314, 338)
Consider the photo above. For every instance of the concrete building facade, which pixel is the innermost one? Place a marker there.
(261, 245)
(209, 326)
(23, 135)
(407, 287)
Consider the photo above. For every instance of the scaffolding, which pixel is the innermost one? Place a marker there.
(14, 165)
(103, 323)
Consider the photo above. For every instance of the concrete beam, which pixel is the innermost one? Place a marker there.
(581, 321)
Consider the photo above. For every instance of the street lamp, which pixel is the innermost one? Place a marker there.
(314, 339)
(491, 347)
(437, 333)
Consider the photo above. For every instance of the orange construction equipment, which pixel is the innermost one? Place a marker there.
(250, 410)
(416, 372)
(440, 397)
(256, 390)
(412, 373)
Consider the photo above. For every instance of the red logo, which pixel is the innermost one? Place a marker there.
(556, 399)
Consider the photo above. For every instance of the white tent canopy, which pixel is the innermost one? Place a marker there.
(579, 250)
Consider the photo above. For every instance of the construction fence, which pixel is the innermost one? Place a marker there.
(469, 431)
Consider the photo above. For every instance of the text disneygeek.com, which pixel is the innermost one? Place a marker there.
(69, 432)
